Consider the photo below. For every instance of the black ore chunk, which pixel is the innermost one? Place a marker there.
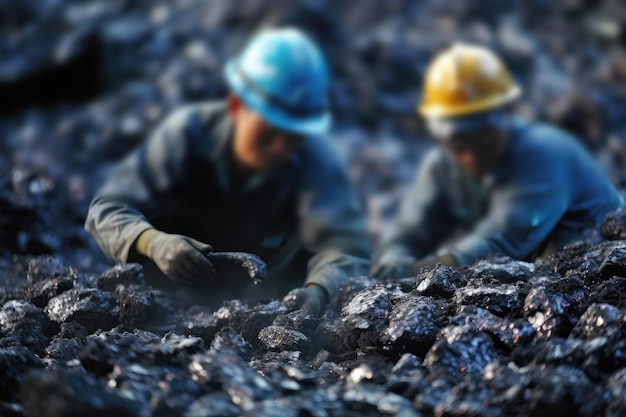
(64, 349)
(46, 278)
(276, 338)
(365, 317)
(440, 281)
(614, 264)
(228, 341)
(199, 321)
(249, 322)
(614, 225)
(461, 351)
(135, 307)
(611, 291)
(253, 265)
(413, 325)
(299, 320)
(24, 325)
(70, 394)
(616, 385)
(553, 309)
(490, 294)
(90, 307)
(600, 320)
(503, 269)
(129, 274)
(13, 364)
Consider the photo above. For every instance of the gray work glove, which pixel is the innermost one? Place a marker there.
(406, 266)
(312, 298)
(181, 258)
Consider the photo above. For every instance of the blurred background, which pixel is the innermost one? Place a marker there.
(83, 82)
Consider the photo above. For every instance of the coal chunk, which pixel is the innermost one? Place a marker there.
(64, 349)
(47, 277)
(299, 320)
(553, 308)
(277, 338)
(253, 265)
(614, 225)
(440, 281)
(490, 294)
(507, 332)
(90, 307)
(72, 394)
(23, 324)
(611, 291)
(250, 320)
(126, 275)
(502, 269)
(13, 364)
(363, 320)
(614, 264)
(461, 351)
(413, 325)
(227, 340)
(199, 321)
(136, 307)
(600, 320)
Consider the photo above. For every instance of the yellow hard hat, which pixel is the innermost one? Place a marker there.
(464, 80)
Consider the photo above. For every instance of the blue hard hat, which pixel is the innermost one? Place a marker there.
(282, 76)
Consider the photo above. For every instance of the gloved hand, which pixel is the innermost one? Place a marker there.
(181, 258)
(404, 267)
(393, 268)
(312, 298)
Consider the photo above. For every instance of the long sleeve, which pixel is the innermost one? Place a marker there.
(332, 222)
(523, 212)
(423, 220)
(118, 213)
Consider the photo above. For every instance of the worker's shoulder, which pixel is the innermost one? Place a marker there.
(543, 138)
(199, 116)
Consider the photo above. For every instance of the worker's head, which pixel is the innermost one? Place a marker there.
(279, 95)
(465, 91)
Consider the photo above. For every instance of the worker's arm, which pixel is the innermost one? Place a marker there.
(421, 224)
(332, 223)
(522, 213)
(117, 215)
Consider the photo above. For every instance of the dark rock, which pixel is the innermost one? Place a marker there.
(490, 294)
(611, 291)
(128, 274)
(64, 349)
(461, 351)
(25, 324)
(253, 265)
(216, 404)
(135, 308)
(364, 319)
(440, 281)
(600, 320)
(614, 264)
(249, 322)
(13, 364)
(413, 325)
(553, 309)
(616, 386)
(199, 321)
(90, 307)
(270, 362)
(40, 293)
(73, 330)
(276, 338)
(407, 376)
(614, 225)
(43, 268)
(299, 320)
(71, 394)
(503, 269)
(507, 332)
(227, 341)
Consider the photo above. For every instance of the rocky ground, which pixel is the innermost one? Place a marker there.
(83, 82)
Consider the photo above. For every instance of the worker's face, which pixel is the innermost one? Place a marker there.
(477, 152)
(257, 145)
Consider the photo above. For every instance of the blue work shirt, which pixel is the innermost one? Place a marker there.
(546, 186)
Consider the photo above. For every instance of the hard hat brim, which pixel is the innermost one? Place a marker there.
(443, 128)
(430, 110)
(310, 125)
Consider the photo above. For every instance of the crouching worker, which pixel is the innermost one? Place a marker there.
(496, 184)
(251, 174)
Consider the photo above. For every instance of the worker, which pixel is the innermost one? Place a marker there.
(252, 173)
(496, 184)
